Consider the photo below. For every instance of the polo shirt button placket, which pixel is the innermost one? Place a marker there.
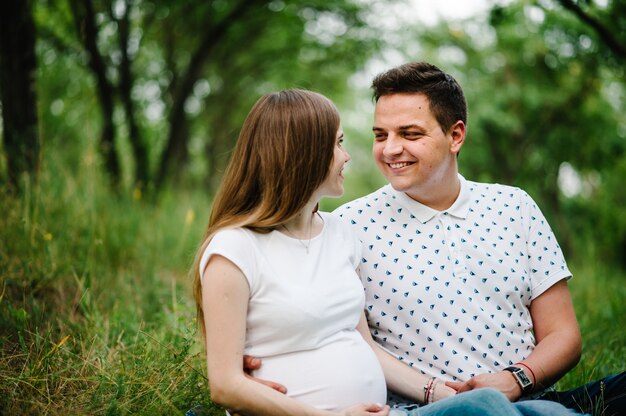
(452, 242)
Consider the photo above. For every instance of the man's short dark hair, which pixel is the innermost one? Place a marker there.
(445, 95)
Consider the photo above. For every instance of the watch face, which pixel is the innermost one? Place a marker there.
(523, 378)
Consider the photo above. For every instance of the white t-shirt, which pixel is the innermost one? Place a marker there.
(449, 292)
(303, 311)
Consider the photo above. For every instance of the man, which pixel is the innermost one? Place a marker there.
(464, 281)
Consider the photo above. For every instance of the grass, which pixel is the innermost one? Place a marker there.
(598, 292)
(96, 315)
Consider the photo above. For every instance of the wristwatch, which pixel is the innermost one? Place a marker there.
(521, 378)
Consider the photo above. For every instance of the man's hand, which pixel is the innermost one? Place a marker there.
(503, 381)
(372, 409)
(253, 363)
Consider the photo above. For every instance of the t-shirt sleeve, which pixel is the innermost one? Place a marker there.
(546, 261)
(236, 246)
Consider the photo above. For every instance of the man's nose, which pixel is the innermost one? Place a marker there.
(393, 145)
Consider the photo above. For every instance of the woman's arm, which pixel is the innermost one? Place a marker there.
(225, 294)
(403, 379)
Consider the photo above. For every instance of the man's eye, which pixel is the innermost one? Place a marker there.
(411, 135)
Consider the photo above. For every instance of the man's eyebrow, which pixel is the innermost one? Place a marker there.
(402, 128)
(411, 126)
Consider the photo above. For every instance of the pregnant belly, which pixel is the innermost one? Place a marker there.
(342, 373)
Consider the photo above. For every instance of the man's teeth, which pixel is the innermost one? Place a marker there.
(399, 165)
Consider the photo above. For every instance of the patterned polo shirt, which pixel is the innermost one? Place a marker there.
(449, 291)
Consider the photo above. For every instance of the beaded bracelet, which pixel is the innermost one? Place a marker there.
(432, 392)
(428, 388)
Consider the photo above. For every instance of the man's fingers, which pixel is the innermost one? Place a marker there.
(251, 363)
(378, 409)
(456, 385)
(460, 387)
(276, 386)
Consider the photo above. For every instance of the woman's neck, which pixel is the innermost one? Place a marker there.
(306, 224)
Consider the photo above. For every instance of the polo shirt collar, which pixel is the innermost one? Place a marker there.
(460, 207)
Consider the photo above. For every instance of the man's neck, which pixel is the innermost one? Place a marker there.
(439, 197)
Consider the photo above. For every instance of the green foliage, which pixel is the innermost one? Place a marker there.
(96, 315)
(192, 55)
(598, 292)
(540, 101)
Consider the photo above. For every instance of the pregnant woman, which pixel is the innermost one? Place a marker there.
(275, 279)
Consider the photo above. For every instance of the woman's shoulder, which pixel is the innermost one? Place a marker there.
(236, 238)
(235, 244)
(231, 233)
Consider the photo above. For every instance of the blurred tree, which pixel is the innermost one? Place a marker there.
(125, 88)
(273, 44)
(174, 79)
(216, 26)
(18, 66)
(297, 46)
(608, 22)
(539, 101)
(88, 32)
(605, 226)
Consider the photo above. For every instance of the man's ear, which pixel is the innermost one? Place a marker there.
(457, 133)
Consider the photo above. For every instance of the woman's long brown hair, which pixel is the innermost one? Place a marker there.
(282, 156)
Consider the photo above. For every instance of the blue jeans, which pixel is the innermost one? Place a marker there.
(483, 402)
(606, 397)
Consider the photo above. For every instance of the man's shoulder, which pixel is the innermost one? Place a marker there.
(488, 189)
(488, 198)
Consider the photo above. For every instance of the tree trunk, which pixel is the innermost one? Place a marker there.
(140, 150)
(175, 153)
(18, 66)
(88, 34)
